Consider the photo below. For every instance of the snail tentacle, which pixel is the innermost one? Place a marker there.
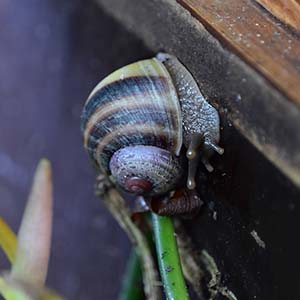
(193, 155)
(210, 144)
(207, 164)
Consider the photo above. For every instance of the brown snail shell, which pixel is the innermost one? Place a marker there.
(182, 202)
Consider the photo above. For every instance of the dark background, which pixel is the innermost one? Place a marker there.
(52, 53)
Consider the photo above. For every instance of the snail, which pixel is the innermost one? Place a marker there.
(136, 121)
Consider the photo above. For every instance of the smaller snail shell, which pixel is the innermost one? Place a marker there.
(146, 170)
(182, 202)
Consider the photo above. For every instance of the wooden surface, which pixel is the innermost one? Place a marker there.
(254, 35)
(287, 11)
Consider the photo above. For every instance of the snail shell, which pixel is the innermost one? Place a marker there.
(154, 170)
(135, 121)
(136, 105)
(183, 202)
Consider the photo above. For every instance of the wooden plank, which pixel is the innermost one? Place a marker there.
(287, 11)
(243, 26)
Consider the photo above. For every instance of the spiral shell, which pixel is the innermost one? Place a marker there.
(146, 170)
(135, 105)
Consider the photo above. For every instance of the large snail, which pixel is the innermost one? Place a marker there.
(135, 121)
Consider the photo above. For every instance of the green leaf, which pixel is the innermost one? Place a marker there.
(34, 237)
(14, 289)
(8, 241)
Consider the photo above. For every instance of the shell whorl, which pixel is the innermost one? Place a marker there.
(135, 105)
(146, 170)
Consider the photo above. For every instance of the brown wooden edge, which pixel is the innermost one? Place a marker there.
(287, 11)
(262, 41)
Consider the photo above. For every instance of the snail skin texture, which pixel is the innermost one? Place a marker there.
(136, 119)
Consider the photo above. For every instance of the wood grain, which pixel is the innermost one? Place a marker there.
(254, 35)
(287, 11)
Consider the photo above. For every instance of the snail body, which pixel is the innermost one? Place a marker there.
(200, 120)
(135, 121)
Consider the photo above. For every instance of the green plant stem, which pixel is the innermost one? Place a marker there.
(190, 259)
(168, 258)
(132, 288)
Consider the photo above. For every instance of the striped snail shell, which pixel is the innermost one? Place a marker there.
(136, 106)
(135, 121)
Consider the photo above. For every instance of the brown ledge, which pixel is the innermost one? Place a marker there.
(287, 11)
(267, 45)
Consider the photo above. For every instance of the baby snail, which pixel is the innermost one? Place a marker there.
(134, 123)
